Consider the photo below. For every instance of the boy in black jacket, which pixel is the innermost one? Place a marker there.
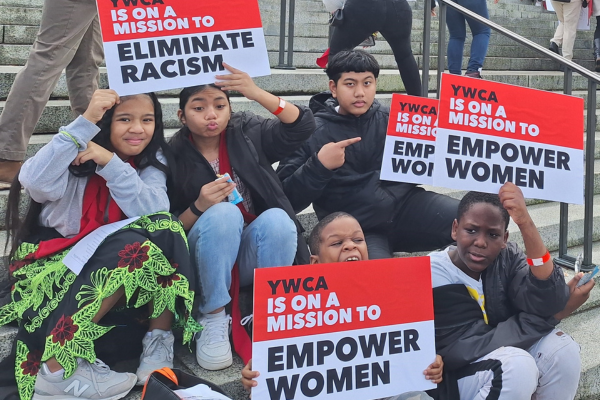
(338, 168)
(496, 307)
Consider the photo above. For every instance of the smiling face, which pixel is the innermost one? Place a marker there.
(341, 240)
(206, 113)
(480, 235)
(132, 126)
(355, 92)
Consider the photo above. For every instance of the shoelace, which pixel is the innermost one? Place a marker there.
(155, 342)
(216, 330)
(247, 322)
(99, 366)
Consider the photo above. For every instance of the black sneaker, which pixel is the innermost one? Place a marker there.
(473, 74)
(554, 47)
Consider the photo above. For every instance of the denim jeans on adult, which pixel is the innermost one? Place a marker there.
(458, 33)
(218, 239)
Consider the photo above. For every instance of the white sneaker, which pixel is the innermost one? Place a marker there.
(213, 351)
(89, 381)
(157, 354)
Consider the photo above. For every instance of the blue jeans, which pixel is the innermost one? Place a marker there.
(218, 240)
(458, 32)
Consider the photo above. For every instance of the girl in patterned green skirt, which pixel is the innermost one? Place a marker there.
(106, 166)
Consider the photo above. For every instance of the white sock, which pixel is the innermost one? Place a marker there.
(220, 314)
(46, 370)
(158, 332)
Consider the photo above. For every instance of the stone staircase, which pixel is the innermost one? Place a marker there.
(506, 62)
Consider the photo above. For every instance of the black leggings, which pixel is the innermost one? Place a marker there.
(423, 223)
(393, 19)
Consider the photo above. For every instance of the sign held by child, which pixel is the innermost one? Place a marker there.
(491, 133)
(334, 331)
(409, 152)
(168, 44)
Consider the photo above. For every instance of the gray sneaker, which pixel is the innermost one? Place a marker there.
(157, 354)
(89, 381)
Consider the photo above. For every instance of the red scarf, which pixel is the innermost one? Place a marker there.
(95, 199)
(241, 341)
(225, 166)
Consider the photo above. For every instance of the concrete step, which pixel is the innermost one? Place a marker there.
(287, 83)
(583, 327)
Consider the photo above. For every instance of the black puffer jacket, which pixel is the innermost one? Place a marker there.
(253, 144)
(354, 187)
(519, 307)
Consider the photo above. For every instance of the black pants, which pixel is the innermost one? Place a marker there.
(393, 19)
(422, 223)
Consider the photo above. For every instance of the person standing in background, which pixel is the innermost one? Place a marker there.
(458, 33)
(568, 16)
(69, 38)
(392, 18)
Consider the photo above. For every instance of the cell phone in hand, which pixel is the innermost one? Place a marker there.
(586, 278)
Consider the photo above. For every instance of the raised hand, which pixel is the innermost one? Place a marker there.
(102, 100)
(333, 155)
(513, 201)
(240, 81)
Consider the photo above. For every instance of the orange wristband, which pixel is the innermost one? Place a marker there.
(538, 262)
(282, 104)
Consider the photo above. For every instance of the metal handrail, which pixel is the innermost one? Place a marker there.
(569, 66)
(290, 35)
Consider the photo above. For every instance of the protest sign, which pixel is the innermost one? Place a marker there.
(152, 45)
(353, 330)
(490, 133)
(408, 155)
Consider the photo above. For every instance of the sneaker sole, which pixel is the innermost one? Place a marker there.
(214, 366)
(37, 396)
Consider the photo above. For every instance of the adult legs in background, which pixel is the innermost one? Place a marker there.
(396, 31)
(456, 43)
(481, 37)
(424, 221)
(66, 26)
(568, 15)
(393, 18)
(217, 240)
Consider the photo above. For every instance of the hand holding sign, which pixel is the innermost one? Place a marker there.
(513, 201)
(248, 376)
(435, 371)
(333, 155)
(102, 100)
(240, 81)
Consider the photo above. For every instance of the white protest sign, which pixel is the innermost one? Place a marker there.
(153, 45)
(490, 133)
(339, 331)
(409, 151)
